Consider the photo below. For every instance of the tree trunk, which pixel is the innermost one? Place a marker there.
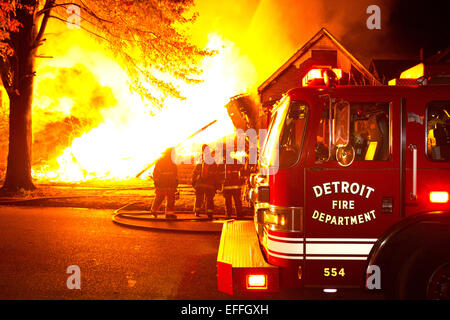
(18, 171)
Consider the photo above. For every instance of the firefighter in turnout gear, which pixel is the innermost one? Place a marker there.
(165, 177)
(233, 174)
(205, 182)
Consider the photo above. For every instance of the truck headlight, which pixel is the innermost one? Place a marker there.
(284, 218)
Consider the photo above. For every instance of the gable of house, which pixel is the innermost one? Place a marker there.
(322, 50)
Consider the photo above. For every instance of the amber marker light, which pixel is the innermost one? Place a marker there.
(256, 281)
(414, 73)
(438, 196)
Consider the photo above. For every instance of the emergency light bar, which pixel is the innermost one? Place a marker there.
(409, 76)
(414, 73)
(318, 75)
(423, 74)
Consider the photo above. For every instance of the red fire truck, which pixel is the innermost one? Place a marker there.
(354, 193)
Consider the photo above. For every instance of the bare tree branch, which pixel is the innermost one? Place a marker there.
(48, 6)
(56, 5)
(73, 23)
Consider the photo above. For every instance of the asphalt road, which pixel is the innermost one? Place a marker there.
(37, 245)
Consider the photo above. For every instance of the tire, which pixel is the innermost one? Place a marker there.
(439, 284)
(425, 276)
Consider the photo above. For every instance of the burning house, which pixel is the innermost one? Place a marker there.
(322, 50)
(89, 125)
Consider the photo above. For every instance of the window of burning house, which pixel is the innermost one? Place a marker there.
(369, 132)
(438, 130)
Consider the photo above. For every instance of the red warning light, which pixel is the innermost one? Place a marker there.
(317, 76)
(438, 196)
(256, 281)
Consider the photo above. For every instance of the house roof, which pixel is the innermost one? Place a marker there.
(442, 56)
(322, 33)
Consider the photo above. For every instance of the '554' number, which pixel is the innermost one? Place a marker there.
(333, 272)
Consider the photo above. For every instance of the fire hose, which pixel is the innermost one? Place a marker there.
(140, 220)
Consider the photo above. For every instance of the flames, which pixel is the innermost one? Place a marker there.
(89, 125)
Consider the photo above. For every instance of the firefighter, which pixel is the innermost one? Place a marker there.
(232, 188)
(165, 176)
(205, 180)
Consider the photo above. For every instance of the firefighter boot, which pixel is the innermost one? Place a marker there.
(153, 214)
(170, 216)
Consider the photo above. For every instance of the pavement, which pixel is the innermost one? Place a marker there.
(38, 244)
(130, 206)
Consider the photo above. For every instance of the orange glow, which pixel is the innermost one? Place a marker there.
(256, 281)
(413, 73)
(439, 197)
(128, 131)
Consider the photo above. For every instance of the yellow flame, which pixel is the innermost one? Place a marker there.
(133, 133)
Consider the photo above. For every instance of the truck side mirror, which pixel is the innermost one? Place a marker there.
(341, 135)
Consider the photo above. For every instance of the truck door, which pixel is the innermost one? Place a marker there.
(427, 160)
(352, 187)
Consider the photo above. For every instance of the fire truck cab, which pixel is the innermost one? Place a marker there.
(353, 192)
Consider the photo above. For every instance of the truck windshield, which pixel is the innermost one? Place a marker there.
(367, 131)
(286, 132)
(269, 156)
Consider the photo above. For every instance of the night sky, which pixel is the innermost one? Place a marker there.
(421, 24)
(407, 27)
(270, 31)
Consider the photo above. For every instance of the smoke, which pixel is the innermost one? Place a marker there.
(90, 125)
(83, 85)
(269, 32)
(417, 25)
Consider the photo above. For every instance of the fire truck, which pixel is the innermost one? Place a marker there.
(352, 191)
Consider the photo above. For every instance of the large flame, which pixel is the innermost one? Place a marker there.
(128, 132)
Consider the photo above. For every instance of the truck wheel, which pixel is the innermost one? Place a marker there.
(428, 277)
(438, 287)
